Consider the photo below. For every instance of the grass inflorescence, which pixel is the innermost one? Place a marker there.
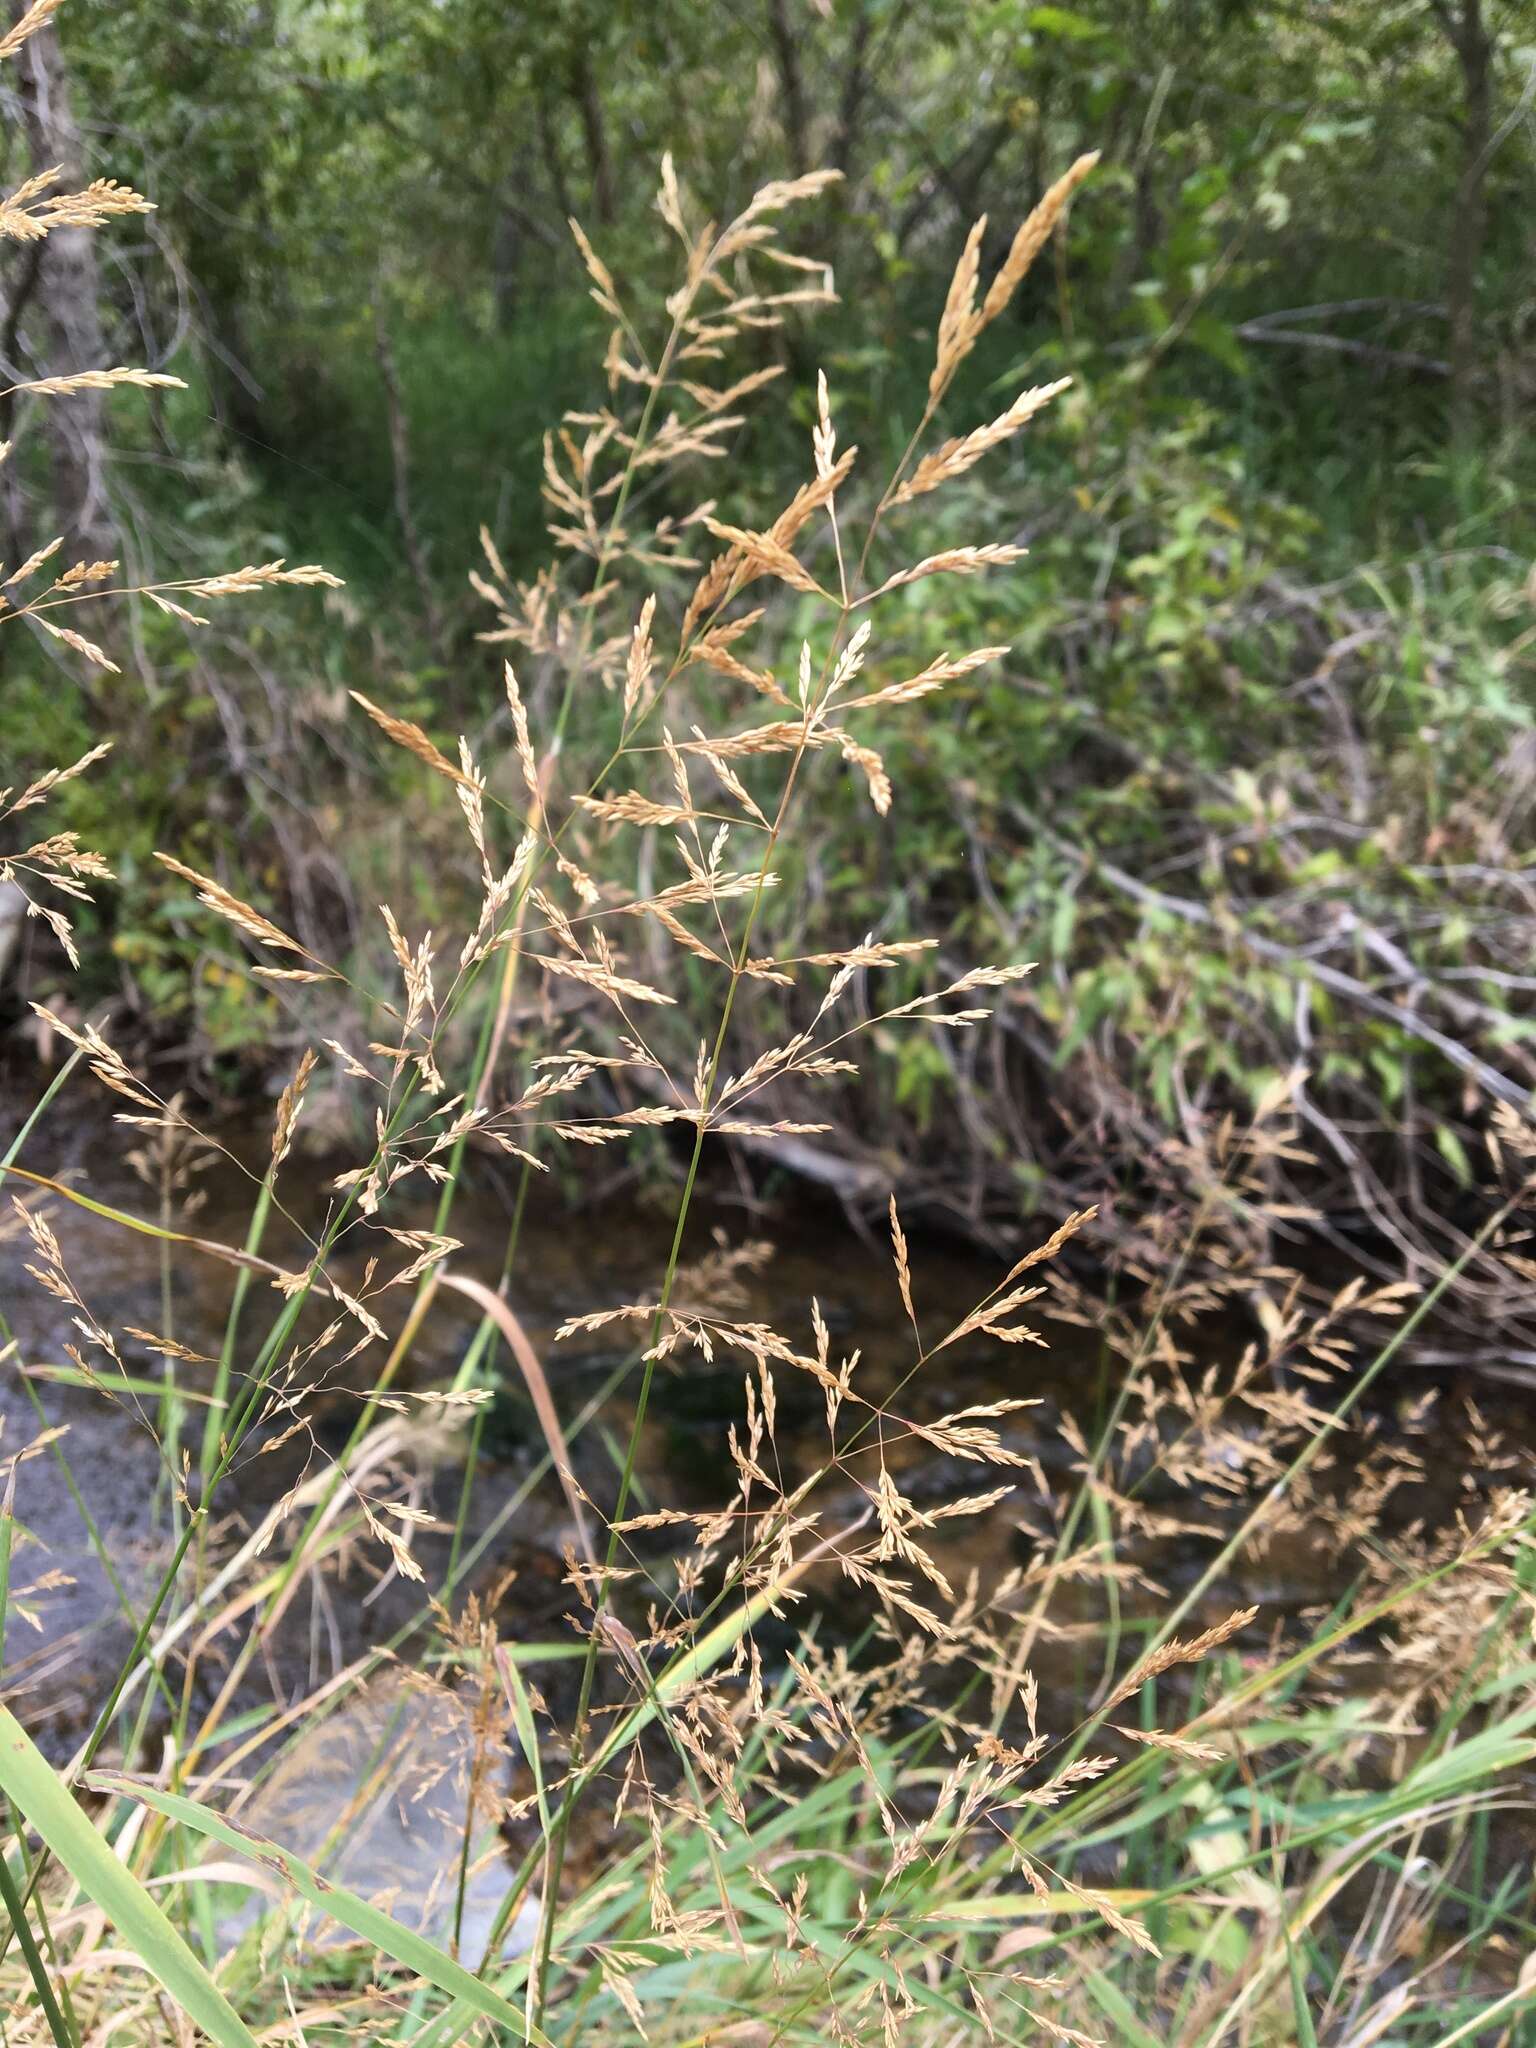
(804, 1763)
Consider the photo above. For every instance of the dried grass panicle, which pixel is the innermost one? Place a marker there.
(1032, 237)
(28, 25)
(42, 785)
(956, 456)
(410, 736)
(966, 561)
(96, 656)
(243, 916)
(94, 380)
(1175, 1652)
(963, 320)
(32, 212)
(957, 324)
(685, 1722)
(35, 561)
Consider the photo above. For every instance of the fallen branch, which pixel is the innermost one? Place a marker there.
(1353, 990)
(1339, 344)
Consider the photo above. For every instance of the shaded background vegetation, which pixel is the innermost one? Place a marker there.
(1255, 786)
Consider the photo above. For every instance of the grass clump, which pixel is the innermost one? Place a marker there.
(856, 1781)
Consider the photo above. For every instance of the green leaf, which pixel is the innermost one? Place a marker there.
(41, 1795)
(1063, 22)
(1454, 1153)
(1218, 339)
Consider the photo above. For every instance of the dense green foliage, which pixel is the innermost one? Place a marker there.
(1272, 644)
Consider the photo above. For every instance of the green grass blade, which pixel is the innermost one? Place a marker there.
(111, 1383)
(7, 1538)
(694, 1663)
(401, 1944)
(527, 1728)
(1114, 2004)
(1301, 2012)
(39, 1794)
(39, 1109)
(35, 1964)
(208, 1455)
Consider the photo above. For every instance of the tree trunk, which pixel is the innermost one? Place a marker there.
(792, 86)
(506, 263)
(855, 82)
(19, 537)
(400, 455)
(66, 296)
(554, 160)
(1469, 216)
(589, 102)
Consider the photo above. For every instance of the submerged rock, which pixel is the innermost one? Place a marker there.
(376, 1798)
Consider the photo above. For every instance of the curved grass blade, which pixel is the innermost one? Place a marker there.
(115, 1383)
(38, 1793)
(142, 1227)
(493, 1306)
(422, 1957)
(39, 1109)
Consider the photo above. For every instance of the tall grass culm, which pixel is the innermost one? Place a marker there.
(805, 1728)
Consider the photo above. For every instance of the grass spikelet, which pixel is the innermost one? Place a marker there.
(1033, 234)
(414, 740)
(525, 755)
(957, 324)
(605, 291)
(1109, 1912)
(969, 561)
(243, 916)
(1182, 1746)
(945, 669)
(637, 669)
(263, 576)
(290, 1106)
(1176, 1652)
(95, 380)
(52, 778)
(956, 456)
(39, 12)
(96, 656)
(34, 562)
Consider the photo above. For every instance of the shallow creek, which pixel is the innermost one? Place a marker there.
(568, 1262)
(67, 1632)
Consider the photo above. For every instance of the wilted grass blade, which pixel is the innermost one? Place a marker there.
(538, 1389)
